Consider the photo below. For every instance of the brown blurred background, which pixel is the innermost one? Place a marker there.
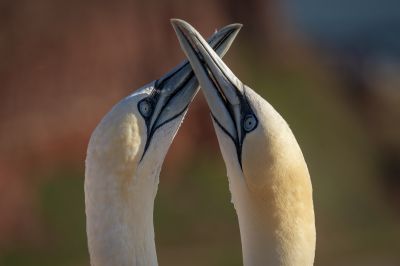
(332, 69)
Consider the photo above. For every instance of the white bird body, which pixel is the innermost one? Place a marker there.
(268, 176)
(124, 159)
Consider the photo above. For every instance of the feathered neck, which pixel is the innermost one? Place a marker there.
(272, 194)
(276, 224)
(120, 218)
(119, 195)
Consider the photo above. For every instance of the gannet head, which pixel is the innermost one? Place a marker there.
(139, 129)
(124, 158)
(268, 176)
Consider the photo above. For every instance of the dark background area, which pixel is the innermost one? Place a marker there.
(332, 69)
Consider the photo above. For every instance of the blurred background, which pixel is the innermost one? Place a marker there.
(331, 68)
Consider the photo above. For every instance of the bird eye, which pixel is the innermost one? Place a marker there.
(145, 108)
(250, 122)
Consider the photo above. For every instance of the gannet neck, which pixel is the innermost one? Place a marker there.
(119, 193)
(271, 232)
(120, 222)
(259, 247)
(271, 192)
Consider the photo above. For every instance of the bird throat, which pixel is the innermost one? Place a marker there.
(120, 220)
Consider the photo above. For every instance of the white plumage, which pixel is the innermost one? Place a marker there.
(124, 159)
(268, 176)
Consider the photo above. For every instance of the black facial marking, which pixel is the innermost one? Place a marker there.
(245, 108)
(154, 97)
(245, 111)
(156, 92)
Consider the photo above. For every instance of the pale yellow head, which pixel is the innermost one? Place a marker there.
(268, 176)
(124, 159)
(121, 180)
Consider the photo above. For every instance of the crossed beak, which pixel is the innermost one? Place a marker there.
(223, 91)
(172, 94)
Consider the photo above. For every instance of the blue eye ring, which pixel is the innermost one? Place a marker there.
(145, 108)
(250, 122)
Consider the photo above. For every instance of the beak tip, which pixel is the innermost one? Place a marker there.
(182, 25)
(235, 27)
(176, 22)
(186, 28)
(238, 25)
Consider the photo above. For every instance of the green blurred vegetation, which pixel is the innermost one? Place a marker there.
(62, 210)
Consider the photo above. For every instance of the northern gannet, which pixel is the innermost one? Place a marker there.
(268, 176)
(124, 159)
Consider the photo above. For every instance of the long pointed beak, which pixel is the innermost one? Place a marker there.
(177, 88)
(173, 92)
(223, 90)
